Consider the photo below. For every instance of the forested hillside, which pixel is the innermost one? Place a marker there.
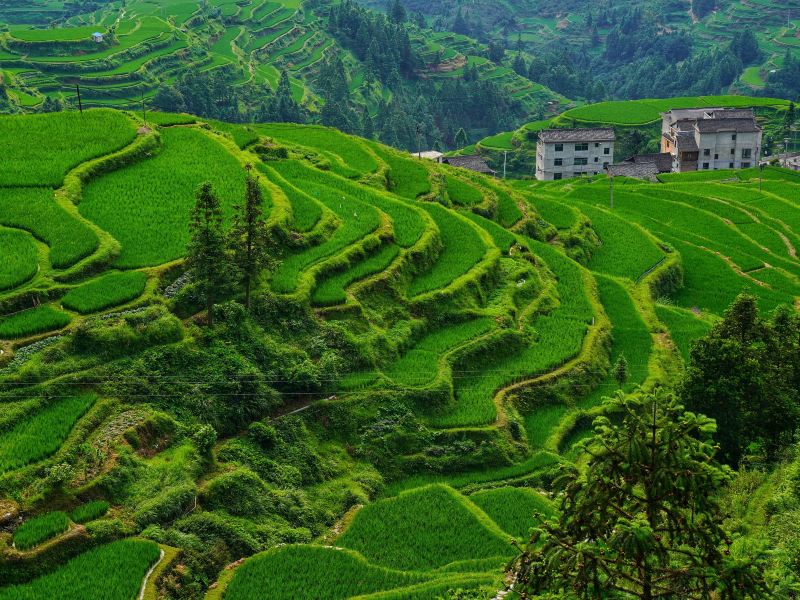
(635, 49)
(259, 60)
(276, 360)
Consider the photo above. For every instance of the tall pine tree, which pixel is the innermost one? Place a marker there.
(206, 256)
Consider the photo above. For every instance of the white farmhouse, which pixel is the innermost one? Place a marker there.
(705, 139)
(564, 153)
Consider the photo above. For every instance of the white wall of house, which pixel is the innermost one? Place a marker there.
(728, 150)
(575, 161)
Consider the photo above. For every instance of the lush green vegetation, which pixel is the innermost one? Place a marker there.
(32, 321)
(40, 529)
(106, 291)
(42, 433)
(89, 511)
(114, 571)
(513, 508)
(146, 206)
(18, 258)
(43, 148)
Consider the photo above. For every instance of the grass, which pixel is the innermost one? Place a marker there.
(306, 211)
(463, 249)
(462, 193)
(304, 571)
(112, 572)
(90, 511)
(513, 508)
(420, 364)
(40, 149)
(40, 529)
(358, 220)
(36, 210)
(407, 222)
(501, 237)
(147, 205)
(18, 258)
(351, 152)
(32, 321)
(41, 433)
(407, 176)
(104, 292)
(423, 529)
(684, 327)
(331, 290)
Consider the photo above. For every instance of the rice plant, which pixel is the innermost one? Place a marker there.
(40, 529)
(502, 238)
(424, 528)
(294, 571)
(463, 249)
(38, 150)
(111, 572)
(146, 206)
(684, 327)
(36, 210)
(18, 258)
(462, 193)
(106, 291)
(39, 434)
(513, 508)
(32, 321)
(408, 177)
(331, 289)
(89, 511)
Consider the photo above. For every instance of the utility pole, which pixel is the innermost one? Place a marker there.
(505, 160)
(80, 104)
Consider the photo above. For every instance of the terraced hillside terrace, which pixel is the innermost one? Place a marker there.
(421, 356)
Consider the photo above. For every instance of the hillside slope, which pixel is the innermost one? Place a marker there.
(428, 341)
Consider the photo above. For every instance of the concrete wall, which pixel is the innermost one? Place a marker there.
(595, 156)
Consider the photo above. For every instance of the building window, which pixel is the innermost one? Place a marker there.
(747, 152)
(556, 176)
(745, 165)
(733, 137)
(733, 152)
(606, 150)
(583, 147)
(596, 159)
(581, 161)
(596, 144)
(705, 165)
(730, 165)
(716, 157)
(605, 165)
(577, 174)
(559, 147)
(707, 152)
(558, 162)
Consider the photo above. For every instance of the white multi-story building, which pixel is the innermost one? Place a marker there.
(705, 139)
(564, 153)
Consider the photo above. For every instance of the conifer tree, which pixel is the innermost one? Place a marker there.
(620, 371)
(248, 236)
(206, 256)
(643, 520)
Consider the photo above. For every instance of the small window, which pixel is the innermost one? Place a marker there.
(558, 162)
(606, 151)
(733, 151)
(605, 165)
(583, 147)
(596, 159)
(559, 147)
(581, 161)
(745, 165)
(747, 152)
(596, 144)
(705, 165)
(707, 152)
(557, 176)
(716, 157)
(730, 165)
(733, 137)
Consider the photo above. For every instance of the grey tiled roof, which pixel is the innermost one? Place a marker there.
(644, 170)
(686, 142)
(473, 163)
(577, 135)
(737, 125)
(662, 160)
